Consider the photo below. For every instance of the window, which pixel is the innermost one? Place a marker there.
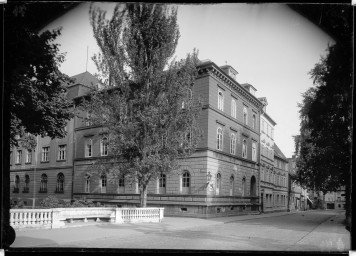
(103, 183)
(87, 184)
(254, 152)
(244, 149)
(45, 152)
(60, 183)
(243, 186)
(122, 184)
(162, 183)
(218, 183)
(253, 121)
(88, 121)
(62, 149)
(185, 182)
(233, 108)
(262, 174)
(10, 157)
(43, 184)
(232, 143)
(104, 146)
(89, 148)
(272, 133)
(268, 130)
(17, 184)
(221, 101)
(29, 156)
(219, 139)
(245, 116)
(26, 188)
(18, 156)
(263, 125)
(231, 185)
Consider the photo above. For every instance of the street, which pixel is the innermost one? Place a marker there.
(314, 230)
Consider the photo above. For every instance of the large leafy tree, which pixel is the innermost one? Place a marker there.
(324, 145)
(147, 107)
(35, 86)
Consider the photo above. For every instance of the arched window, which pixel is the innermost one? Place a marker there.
(162, 183)
(231, 185)
(43, 185)
(221, 101)
(233, 108)
(219, 139)
(218, 183)
(60, 183)
(122, 184)
(103, 182)
(243, 186)
(87, 184)
(186, 182)
(244, 149)
(26, 188)
(245, 116)
(233, 144)
(104, 146)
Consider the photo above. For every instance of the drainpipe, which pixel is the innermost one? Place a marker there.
(73, 155)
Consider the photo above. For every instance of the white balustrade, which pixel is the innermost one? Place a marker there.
(58, 217)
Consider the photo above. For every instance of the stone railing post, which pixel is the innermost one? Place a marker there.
(118, 216)
(56, 221)
(161, 212)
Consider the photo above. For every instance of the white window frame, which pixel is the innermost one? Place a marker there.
(87, 184)
(45, 154)
(219, 138)
(103, 183)
(18, 156)
(104, 146)
(62, 152)
(254, 151)
(220, 100)
(233, 108)
(89, 148)
(28, 156)
(233, 143)
(245, 116)
(244, 148)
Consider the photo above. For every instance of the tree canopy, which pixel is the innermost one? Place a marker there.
(324, 145)
(147, 106)
(35, 86)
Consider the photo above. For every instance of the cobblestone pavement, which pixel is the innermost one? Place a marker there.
(298, 231)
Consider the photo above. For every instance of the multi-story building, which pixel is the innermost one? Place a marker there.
(335, 200)
(280, 180)
(220, 178)
(298, 197)
(48, 169)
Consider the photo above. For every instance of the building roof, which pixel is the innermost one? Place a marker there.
(278, 152)
(85, 79)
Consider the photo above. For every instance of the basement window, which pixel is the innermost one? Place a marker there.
(183, 209)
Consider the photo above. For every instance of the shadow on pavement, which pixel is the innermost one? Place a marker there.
(30, 242)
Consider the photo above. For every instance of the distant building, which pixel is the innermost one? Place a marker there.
(298, 197)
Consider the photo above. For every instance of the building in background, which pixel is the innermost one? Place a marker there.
(299, 198)
(48, 169)
(280, 180)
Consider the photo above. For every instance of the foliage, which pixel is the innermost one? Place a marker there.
(147, 106)
(324, 145)
(54, 202)
(36, 87)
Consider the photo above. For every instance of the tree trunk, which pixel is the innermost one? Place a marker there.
(143, 196)
(348, 204)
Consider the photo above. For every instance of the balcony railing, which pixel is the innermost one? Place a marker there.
(58, 217)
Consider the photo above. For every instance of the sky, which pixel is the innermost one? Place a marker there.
(272, 48)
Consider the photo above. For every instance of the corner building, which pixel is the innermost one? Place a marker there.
(221, 178)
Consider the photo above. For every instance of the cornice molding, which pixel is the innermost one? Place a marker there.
(210, 69)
